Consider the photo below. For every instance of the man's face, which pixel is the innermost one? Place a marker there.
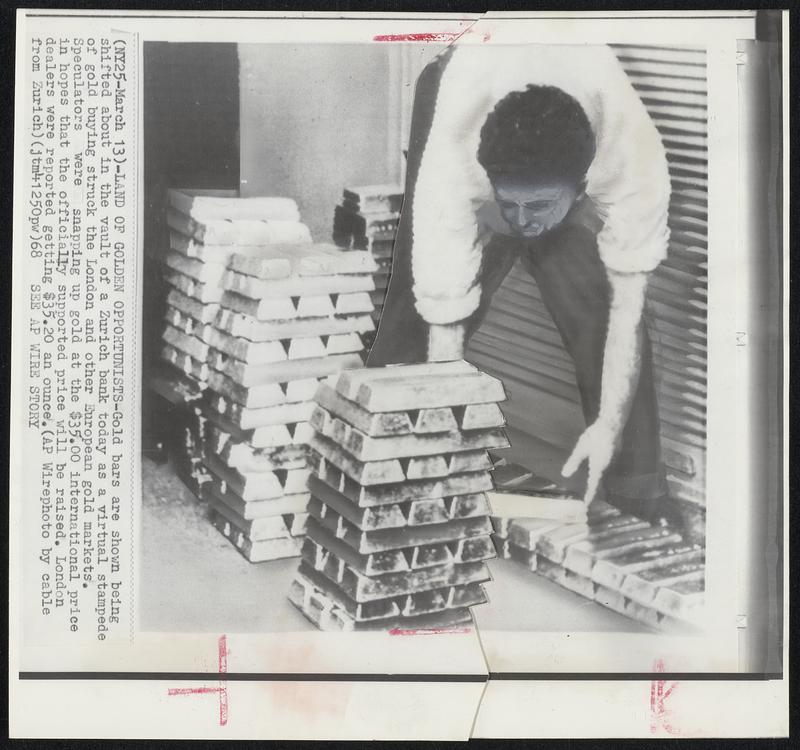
(531, 209)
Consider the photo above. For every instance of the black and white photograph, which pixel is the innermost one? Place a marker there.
(536, 284)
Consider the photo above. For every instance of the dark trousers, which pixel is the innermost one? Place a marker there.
(575, 289)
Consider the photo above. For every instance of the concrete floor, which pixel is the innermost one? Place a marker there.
(193, 580)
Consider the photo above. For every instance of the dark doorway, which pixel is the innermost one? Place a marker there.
(191, 140)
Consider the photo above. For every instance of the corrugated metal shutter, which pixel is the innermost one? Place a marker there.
(519, 343)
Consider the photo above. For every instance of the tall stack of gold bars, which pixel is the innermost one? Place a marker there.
(399, 529)
(257, 316)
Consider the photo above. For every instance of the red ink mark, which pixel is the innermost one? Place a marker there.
(437, 36)
(427, 631)
(660, 691)
(431, 36)
(222, 690)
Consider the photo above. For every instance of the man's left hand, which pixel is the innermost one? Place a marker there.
(597, 445)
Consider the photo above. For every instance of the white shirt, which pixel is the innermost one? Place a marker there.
(627, 182)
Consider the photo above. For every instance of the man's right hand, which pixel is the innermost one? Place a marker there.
(445, 342)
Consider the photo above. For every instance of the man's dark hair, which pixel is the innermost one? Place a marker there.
(538, 134)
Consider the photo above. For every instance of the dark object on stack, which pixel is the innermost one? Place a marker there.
(367, 219)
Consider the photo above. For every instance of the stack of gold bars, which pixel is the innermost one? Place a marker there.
(367, 219)
(288, 317)
(648, 573)
(398, 530)
(205, 228)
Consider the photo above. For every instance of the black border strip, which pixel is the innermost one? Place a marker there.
(639, 676)
(254, 676)
(366, 677)
(222, 17)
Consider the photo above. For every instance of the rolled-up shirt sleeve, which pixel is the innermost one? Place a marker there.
(446, 252)
(628, 181)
